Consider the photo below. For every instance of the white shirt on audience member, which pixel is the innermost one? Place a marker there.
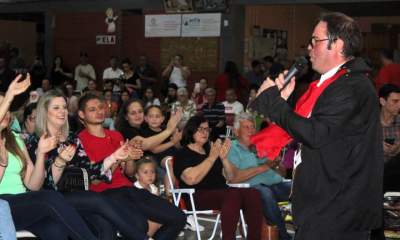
(153, 188)
(155, 102)
(233, 108)
(82, 82)
(110, 73)
(177, 77)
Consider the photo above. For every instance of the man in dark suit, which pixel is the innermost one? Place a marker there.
(337, 185)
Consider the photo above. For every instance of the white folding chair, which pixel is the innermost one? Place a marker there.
(177, 194)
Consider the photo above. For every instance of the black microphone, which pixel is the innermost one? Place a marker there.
(296, 68)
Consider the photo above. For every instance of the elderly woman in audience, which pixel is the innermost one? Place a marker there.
(188, 107)
(45, 213)
(203, 166)
(99, 210)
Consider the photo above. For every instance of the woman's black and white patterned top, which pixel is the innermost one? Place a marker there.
(80, 159)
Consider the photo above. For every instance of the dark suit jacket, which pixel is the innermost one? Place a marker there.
(338, 185)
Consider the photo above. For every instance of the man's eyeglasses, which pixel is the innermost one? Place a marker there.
(314, 40)
(204, 130)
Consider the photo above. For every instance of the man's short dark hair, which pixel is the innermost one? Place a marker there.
(108, 82)
(268, 59)
(387, 53)
(126, 61)
(387, 89)
(173, 85)
(85, 98)
(344, 27)
(83, 54)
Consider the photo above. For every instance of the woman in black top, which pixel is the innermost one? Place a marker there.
(203, 168)
(131, 79)
(59, 73)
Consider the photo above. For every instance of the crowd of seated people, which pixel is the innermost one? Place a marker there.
(120, 129)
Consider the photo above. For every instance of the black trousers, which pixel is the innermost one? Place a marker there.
(152, 207)
(318, 234)
(105, 215)
(48, 215)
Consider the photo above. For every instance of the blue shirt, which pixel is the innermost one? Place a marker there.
(243, 158)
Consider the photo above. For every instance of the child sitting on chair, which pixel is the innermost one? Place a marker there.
(145, 178)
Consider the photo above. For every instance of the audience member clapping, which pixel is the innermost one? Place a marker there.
(203, 167)
(47, 214)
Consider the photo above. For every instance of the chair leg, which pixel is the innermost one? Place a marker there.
(196, 223)
(243, 224)
(215, 227)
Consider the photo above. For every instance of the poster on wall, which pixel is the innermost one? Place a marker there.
(162, 25)
(201, 25)
(268, 42)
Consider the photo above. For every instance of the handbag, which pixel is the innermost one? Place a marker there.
(269, 232)
(73, 179)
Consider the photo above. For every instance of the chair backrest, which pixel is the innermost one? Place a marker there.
(169, 167)
(73, 179)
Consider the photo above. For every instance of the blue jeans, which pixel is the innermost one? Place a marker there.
(270, 196)
(7, 229)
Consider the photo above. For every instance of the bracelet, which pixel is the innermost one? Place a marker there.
(63, 166)
(4, 166)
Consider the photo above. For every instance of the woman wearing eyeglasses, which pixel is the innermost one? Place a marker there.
(203, 166)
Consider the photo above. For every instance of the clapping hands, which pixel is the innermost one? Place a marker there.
(46, 143)
(174, 120)
(220, 149)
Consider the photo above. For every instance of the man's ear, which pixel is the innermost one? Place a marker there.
(338, 44)
(236, 131)
(81, 115)
(382, 101)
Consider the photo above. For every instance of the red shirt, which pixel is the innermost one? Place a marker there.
(389, 73)
(97, 149)
(222, 84)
